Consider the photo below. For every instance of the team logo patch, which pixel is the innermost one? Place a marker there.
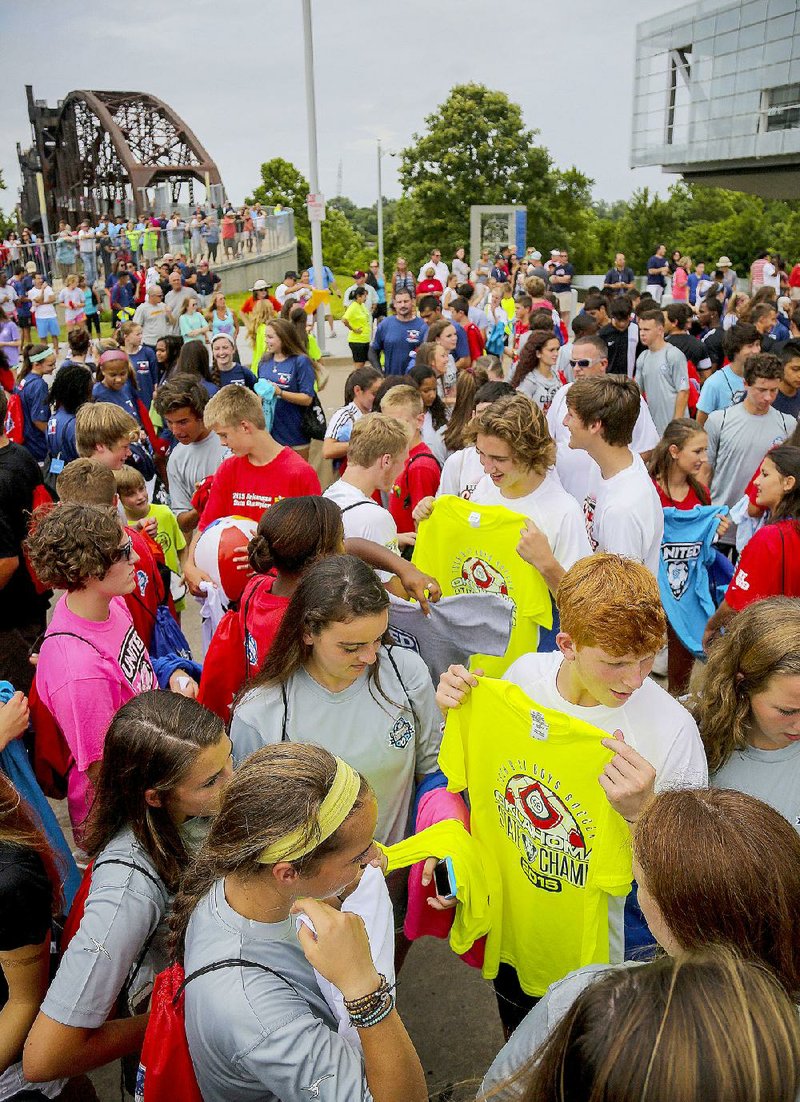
(250, 649)
(401, 733)
(678, 578)
(141, 582)
(676, 558)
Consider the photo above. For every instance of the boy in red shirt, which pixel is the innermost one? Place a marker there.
(260, 472)
(459, 312)
(420, 475)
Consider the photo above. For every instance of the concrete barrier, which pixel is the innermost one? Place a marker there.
(241, 274)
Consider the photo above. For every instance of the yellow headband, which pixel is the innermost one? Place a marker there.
(333, 811)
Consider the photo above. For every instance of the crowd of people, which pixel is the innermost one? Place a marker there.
(425, 705)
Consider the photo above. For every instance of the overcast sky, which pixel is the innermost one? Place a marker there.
(234, 70)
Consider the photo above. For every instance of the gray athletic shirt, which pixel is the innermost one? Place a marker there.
(189, 464)
(124, 909)
(770, 775)
(380, 737)
(538, 1024)
(251, 1036)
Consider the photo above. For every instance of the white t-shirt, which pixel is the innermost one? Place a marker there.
(771, 276)
(628, 518)
(364, 519)
(551, 509)
(461, 473)
(43, 299)
(434, 438)
(579, 474)
(651, 721)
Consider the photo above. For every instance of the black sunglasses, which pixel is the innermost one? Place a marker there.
(124, 552)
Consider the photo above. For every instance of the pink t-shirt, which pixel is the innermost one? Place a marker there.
(680, 285)
(84, 681)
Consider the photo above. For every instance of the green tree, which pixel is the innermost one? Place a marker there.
(282, 183)
(476, 149)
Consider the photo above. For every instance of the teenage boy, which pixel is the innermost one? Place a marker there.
(740, 436)
(259, 472)
(105, 432)
(725, 386)
(360, 389)
(788, 400)
(622, 338)
(420, 474)
(676, 324)
(627, 517)
(133, 496)
(398, 336)
(709, 314)
(661, 371)
(612, 626)
(764, 318)
(459, 314)
(579, 474)
(520, 330)
(377, 454)
(198, 451)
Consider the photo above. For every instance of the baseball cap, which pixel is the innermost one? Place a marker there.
(536, 255)
(259, 285)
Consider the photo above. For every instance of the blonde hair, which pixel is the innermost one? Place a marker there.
(87, 482)
(262, 312)
(612, 602)
(375, 435)
(232, 405)
(102, 424)
(128, 480)
(402, 397)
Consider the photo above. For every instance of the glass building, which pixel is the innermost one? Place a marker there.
(717, 95)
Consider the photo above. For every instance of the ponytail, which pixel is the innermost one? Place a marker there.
(28, 351)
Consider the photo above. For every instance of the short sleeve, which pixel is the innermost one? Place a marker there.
(679, 369)
(423, 479)
(712, 427)
(83, 708)
(40, 406)
(25, 898)
(759, 571)
(304, 377)
(452, 760)
(308, 482)
(707, 402)
(219, 498)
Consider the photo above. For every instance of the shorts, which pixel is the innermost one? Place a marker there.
(48, 327)
(359, 351)
(380, 310)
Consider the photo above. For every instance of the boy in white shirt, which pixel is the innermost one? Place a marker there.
(377, 452)
(627, 517)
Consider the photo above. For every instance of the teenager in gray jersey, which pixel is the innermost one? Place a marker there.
(296, 826)
(741, 889)
(165, 760)
(330, 679)
(748, 709)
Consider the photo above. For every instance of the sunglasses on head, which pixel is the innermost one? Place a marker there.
(124, 552)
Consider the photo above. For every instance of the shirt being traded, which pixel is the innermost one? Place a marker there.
(379, 735)
(257, 1035)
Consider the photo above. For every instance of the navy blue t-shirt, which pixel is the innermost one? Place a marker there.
(34, 396)
(296, 374)
(397, 340)
(656, 262)
(145, 368)
(124, 398)
(462, 342)
(61, 436)
(238, 375)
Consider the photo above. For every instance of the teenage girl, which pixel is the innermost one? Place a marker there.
(71, 387)
(535, 374)
(116, 381)
(741, 890)
(467, 386)
(287, 366)
(443, 333)
(748, 710)
(193, 325)
(224, 368)
(330, 676)
(296, 827)
(165, 763)
(435, 422)
(167, 351)
(37, 360)
(222, 318)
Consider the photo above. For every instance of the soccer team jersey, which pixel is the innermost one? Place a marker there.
(537, 808)
(472, 548)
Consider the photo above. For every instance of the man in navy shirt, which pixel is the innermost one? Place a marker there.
(657, 272)
(561, 282)
(398, 336)
(620, 278)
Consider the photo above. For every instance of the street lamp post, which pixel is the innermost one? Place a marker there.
(313, 168)
(380, 210)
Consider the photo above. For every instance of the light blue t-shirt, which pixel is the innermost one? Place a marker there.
(720, 390)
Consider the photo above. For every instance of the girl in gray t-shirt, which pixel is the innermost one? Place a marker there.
(165, 761)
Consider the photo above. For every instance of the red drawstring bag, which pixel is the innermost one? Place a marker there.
(166, 1072)
(14, 425)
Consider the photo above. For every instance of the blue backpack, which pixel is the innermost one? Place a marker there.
(496, 341)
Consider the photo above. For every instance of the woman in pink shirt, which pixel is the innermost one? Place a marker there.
(680, 281)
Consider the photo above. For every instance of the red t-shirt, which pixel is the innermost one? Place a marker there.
(769, 566)
(475, 340)
(688, 502)
(419, 478)
(242, 489)
(143, 602)
(429, 287)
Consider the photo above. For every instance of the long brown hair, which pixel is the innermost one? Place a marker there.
(761, 642)
(467, 385)
(273, 792)
(18, 827)
(786, 458)
(294, 532)
(742, 886)
(678, 433)
(152, 742)
(703, 1028)
(531, 353)
(286, 332)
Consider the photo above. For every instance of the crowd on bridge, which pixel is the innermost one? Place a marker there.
(425, 701)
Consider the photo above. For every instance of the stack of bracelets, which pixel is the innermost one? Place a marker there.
(371, 1009)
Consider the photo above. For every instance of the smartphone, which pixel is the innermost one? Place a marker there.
(445, 879)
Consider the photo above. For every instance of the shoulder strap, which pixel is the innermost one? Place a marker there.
(423, 455)
(130, 865)
(72, 635)
(284, 698)
(355, 505)
(390, 656)
(250, 596)
(230, 963)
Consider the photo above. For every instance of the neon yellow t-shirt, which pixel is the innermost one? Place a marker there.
(472, 548)
(358, 316)
(538, 809)
(509, 305)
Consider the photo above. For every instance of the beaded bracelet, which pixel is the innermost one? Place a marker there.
(373, 1008)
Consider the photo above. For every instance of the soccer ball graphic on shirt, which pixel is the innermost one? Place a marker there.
(478, 576)
(215, 549)
(544, 814)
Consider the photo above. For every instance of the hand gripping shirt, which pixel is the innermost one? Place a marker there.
(537, 807)
(687, 554)
(472, 548)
